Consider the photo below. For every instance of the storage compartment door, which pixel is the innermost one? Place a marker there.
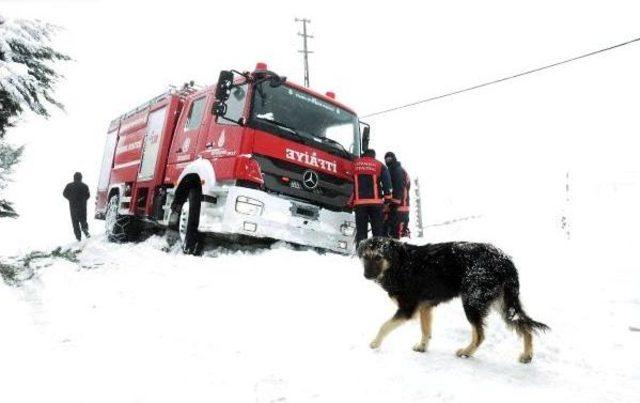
(151, 146)
(107, 160)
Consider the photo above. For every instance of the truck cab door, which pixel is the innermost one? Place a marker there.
(223, 136)
(185, 141)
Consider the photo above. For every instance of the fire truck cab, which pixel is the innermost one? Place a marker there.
(252, 156)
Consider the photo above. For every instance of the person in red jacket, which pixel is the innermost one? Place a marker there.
(371, 184)
(397, 224)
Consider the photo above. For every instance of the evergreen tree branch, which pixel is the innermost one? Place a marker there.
(27, 81)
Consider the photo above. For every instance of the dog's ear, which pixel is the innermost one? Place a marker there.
(360, 249)
(395, 251)
(364, 245)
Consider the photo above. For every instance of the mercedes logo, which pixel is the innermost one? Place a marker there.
(310, 179)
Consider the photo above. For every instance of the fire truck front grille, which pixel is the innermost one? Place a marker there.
(286, 178)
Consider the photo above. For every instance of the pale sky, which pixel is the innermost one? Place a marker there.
(490, 150)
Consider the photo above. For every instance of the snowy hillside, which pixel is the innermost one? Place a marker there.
(132, 323)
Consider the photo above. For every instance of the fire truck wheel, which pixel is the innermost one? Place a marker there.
(188, 224)
(119, 228)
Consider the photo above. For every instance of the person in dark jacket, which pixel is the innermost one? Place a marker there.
(397, 224)
(78, 193)
(371, 185)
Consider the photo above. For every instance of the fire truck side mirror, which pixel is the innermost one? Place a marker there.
(223, 91)
(223, 88)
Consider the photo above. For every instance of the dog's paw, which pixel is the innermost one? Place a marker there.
(463, 353)
(420, 347)
(525, 358)
(374, 344)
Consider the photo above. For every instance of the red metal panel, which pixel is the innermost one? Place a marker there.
(173, 104)
(185, 142)
(300, 154)
(225, 168)
(129, 148)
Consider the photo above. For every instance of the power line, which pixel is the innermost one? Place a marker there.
(485, 84)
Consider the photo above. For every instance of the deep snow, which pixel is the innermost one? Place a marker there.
(133, 323)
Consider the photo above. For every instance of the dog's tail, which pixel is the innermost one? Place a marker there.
(514, 314)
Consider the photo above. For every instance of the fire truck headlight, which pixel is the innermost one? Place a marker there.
(348, 228)
(249, 206)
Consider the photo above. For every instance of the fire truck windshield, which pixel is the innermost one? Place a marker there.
(313, 120)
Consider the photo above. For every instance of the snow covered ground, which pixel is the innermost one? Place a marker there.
(133, 323)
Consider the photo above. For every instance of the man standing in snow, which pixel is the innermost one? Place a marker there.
(398, 221)
(77, 193)
(371, 184)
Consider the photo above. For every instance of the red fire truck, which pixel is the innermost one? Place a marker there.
(252, 156)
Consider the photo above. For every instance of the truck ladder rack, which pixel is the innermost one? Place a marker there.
(183, 92)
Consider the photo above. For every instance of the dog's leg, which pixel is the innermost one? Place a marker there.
(386, 328)
(477, 336)
(425, 325)
(515, 318)
(527, 354)
(475, 316)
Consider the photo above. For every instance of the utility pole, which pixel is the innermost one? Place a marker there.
(418, 204)
(305, 49)
(565, 223)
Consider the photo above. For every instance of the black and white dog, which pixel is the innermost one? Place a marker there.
(418, 278)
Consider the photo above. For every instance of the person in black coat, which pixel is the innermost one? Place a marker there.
(397, 223)
(78, 193)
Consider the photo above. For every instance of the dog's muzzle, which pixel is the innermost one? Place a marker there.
(371, 271)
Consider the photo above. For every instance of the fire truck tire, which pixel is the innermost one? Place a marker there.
(120, 228)
(190, 237)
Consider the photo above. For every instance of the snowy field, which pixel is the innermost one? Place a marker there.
(133, 323)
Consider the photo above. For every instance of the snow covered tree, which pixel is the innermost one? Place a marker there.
(27, 79)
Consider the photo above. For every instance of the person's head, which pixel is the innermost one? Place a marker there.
(369, 152)
(77, 177)
(390, 158)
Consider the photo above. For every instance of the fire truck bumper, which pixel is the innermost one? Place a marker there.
(254, 213)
